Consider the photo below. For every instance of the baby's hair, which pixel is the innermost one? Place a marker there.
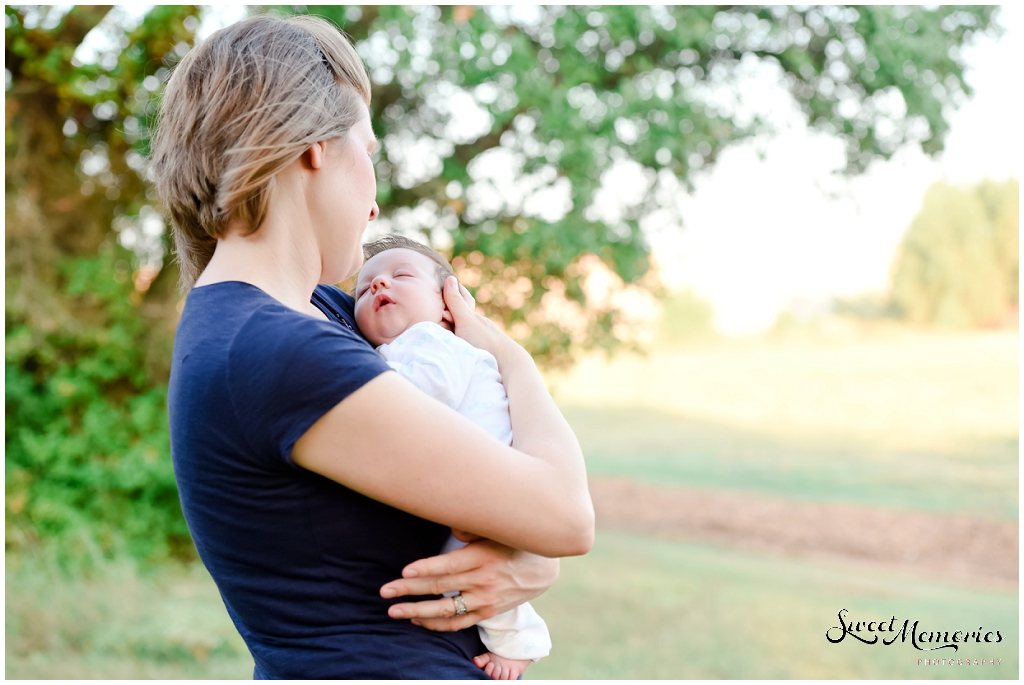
(392, 242)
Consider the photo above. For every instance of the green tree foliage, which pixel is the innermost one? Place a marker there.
(570, 91)
(563, 93)
(959, 263)
(87, 340)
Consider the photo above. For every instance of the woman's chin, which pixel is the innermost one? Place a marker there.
(332, 276)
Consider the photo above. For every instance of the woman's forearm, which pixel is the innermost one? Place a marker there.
(391, 442)
(540, 431)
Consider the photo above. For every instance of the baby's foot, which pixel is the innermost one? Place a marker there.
(500, 668)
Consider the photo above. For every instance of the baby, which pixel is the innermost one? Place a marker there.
(400, 309)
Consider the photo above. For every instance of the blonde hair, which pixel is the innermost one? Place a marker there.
(239, 107)
(391, 242)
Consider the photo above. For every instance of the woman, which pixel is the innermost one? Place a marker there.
(309, 477)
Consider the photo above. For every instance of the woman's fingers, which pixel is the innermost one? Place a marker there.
(447, 319)
(491, 577)
(477, 330)
(459, 561)
(447, 625)
(455, 301)
(433, 608)
(440, 574)
(437, 614)
(468, 297)
(429, 585)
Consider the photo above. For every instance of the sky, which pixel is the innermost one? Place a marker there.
(762, 235)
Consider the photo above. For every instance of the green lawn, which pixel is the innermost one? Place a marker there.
(904, 418)
(898, 390)
(120, 624)
(978, 478)
(635, 607)
(639, 607)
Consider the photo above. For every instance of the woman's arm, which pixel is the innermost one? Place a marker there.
(391, 442)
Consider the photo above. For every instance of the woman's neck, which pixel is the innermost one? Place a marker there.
(281, 258)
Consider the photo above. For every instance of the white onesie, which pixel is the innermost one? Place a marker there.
(466, 379)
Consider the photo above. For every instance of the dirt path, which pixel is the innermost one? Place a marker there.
(951, 546)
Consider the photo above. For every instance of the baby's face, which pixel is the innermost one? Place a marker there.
(396, 289)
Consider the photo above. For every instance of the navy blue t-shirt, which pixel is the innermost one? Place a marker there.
(298, 558)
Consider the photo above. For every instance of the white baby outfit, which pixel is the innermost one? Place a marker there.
(466, 379)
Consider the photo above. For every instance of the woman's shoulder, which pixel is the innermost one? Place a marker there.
(237, 329)
(277, 369)
(241, 303)
(227, 303)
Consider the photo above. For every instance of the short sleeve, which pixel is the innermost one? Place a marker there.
(433, 360)
(286, 370)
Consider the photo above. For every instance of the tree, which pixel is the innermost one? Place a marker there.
(568, 92)
(87, 340)
(958, 264)
(566, 95)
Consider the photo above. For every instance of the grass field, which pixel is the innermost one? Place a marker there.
(635, 607)
(898, 419)
(980, 477)
(638, 607)
(894, 388)
(120, 624)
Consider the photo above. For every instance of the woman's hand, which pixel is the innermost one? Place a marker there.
(476, 329)
(447, 322)
(492, 578)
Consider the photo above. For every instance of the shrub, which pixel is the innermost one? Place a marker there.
(88, 455)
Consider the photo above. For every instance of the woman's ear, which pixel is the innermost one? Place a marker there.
(314, 155)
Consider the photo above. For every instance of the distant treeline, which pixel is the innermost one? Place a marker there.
(958, 264)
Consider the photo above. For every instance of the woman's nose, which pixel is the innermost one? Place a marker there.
(374, 211)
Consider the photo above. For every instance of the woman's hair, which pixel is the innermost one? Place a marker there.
(239, 107)
(391, 242)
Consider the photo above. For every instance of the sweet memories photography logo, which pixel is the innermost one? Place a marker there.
(888, 631)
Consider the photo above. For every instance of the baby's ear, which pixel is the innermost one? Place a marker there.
(447, 322)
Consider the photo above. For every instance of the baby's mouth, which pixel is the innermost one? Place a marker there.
(381, 301)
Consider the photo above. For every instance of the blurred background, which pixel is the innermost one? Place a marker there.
(767, 258)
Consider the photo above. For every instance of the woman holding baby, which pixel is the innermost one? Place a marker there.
(318, 486)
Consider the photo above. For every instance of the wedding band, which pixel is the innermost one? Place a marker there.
(460, 605)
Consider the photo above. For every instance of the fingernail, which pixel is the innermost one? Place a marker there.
(416, 622)
(410, 573)
(396, 613)
(387, 592)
